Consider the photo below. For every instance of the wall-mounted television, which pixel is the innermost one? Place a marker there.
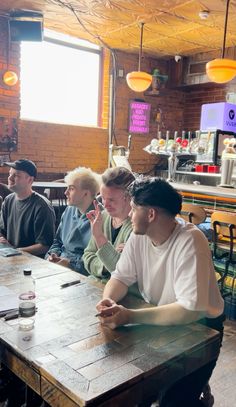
(139, 117)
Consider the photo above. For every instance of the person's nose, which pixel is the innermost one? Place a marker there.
(66, 192)
(10, 177)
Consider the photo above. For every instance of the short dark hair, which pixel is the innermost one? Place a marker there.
(155, 192)
(118, 177)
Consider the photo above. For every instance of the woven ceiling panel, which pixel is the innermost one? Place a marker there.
(171, 26)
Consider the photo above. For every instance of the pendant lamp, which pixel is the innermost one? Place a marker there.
(222, 70)
(9, 77)
(137, 80)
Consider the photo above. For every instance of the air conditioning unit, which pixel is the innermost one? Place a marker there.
(196, 72)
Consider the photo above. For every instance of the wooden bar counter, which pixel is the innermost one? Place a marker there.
(71, 360)
(211, 198)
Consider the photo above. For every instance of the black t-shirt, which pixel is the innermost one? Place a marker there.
(28, 221)
(114, 233)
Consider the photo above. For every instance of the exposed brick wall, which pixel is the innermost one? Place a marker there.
(55, 148)
(9, 97)
(58, 148)
(180, 106)
(171, 103)
(198, 96)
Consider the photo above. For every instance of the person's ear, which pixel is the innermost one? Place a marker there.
(152, 214)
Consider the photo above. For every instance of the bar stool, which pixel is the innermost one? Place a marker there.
(193, 213)
(224, 250)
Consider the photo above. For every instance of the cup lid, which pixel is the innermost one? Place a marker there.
(26, 324)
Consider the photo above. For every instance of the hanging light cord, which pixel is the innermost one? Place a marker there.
(225, 28)
(114, 61)
(8, 43)
(141, 47)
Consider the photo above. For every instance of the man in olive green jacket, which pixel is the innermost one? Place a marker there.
(111, 228)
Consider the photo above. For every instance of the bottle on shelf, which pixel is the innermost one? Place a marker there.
(27, 303)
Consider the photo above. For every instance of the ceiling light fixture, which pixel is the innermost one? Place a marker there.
(139, 81)
(222, 70)
(204, 14)
(10, 78)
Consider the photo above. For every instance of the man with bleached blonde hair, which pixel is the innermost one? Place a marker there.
(74, 232)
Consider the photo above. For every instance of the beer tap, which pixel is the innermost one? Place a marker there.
(167, 139)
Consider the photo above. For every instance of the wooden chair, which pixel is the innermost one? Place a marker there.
(193, 213)
(196, 214)
(55, 193)
(224, 250)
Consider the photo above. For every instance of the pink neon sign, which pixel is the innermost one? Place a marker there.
(139, 116)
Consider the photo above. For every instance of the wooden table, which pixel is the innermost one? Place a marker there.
(55, 189)
(49, 184)
(70, 360)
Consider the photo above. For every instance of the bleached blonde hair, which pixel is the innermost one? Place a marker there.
(87, 178)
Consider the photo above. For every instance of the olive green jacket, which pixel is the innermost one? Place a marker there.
(101, 262)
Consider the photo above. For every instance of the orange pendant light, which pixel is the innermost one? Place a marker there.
(10, 78)
(222, 70)
(139, 81)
